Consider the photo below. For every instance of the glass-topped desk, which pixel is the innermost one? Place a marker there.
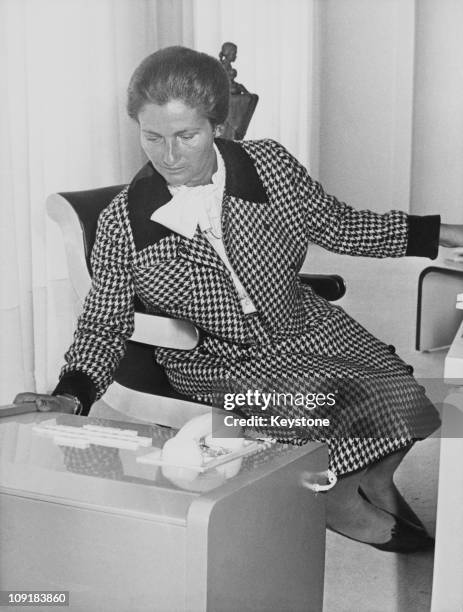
(124, 535)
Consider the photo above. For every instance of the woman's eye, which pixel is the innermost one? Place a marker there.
(187, 136)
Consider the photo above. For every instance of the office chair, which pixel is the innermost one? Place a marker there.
(77, 214)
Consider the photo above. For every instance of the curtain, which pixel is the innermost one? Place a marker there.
(65, 67)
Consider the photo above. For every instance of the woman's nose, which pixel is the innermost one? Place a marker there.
(170, 153)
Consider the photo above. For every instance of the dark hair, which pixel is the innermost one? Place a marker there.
(179, 73)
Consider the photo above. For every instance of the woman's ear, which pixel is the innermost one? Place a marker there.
(218, 131)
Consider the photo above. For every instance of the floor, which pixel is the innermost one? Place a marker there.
(360, 578)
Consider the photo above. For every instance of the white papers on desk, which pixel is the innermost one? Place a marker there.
(82, 437)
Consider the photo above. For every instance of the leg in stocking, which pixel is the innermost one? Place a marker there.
(378, 485)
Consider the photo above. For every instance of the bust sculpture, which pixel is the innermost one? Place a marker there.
(227, 56)
(242, 102)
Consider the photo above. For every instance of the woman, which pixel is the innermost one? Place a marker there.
(215, 232)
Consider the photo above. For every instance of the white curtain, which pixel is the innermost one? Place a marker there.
(64, 66)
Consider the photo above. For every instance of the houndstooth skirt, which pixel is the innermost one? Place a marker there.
(379, 407)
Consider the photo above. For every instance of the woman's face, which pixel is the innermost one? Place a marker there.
(178, 140)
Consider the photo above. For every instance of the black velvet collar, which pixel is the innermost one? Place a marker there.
(242, 180)
(148, 191)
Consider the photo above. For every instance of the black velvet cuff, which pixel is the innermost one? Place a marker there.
(423, 236)
(81, 386)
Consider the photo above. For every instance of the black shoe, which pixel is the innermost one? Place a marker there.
(419, 526)
(404, 539)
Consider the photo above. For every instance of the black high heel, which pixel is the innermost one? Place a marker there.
(419, 527)
(404, 539)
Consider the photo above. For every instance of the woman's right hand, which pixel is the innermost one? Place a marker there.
(46, 403)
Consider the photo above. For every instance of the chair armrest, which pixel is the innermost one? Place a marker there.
(158, 330)
(329, 286)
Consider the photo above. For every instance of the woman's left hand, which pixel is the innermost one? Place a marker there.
(451, 235)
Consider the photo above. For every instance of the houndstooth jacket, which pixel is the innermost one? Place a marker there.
(272, 209)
